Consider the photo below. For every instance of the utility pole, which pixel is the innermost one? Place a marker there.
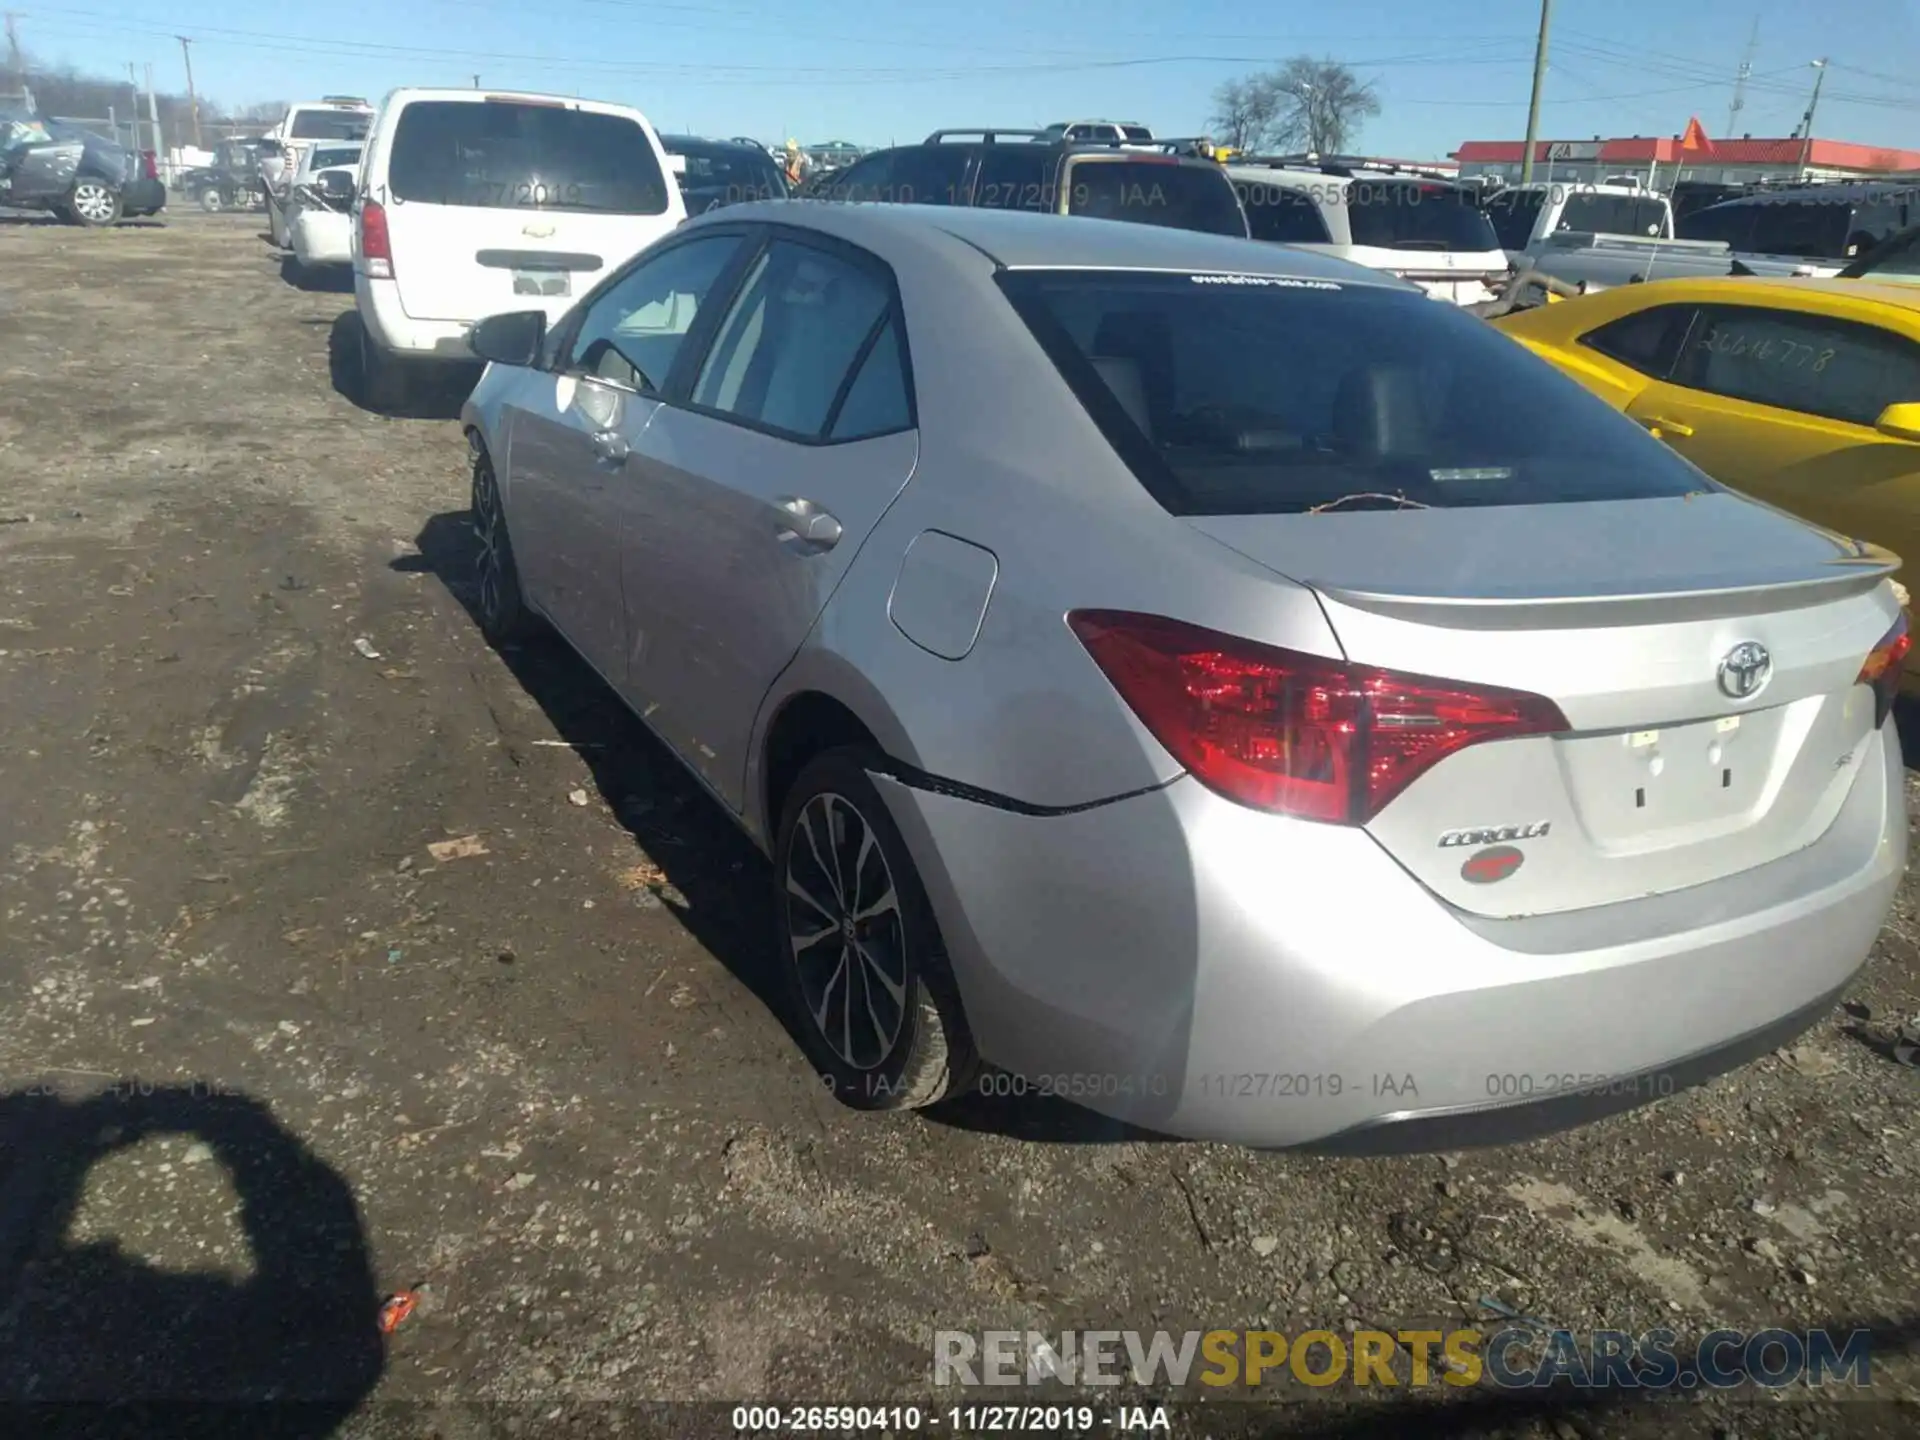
(153, 118)
(1740, 81)
(14, 62)
(1533, 106)
(193, 100)
(476, 82)
(1806, 143)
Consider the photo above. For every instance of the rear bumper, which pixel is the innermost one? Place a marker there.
(1187, 965)
(323, 237)
(399, 334)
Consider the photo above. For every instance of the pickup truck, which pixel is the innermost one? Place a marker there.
(1603, 261)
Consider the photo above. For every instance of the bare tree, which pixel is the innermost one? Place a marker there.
(1306, 104)
(1243, 113)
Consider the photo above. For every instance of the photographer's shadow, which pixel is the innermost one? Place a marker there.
(102, 1342)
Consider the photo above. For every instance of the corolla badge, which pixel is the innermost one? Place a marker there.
(1745, 670)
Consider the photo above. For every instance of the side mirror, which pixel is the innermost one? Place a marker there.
(511, 339)
(677, 164)
(1901, 421)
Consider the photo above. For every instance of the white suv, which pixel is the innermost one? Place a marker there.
(1421, 227)
(471, 204)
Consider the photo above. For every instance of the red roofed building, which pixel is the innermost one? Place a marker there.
(1661, 160)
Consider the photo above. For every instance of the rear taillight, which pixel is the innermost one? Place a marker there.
(149, 166)
(1884, 667)
(376, 245)
(1301, 735)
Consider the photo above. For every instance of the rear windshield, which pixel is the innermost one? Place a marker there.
(1408, 215)
(1613, 214)
(330, 125)
(1232, 395)
(1181, 197)
(1513, 214)
(505, 155)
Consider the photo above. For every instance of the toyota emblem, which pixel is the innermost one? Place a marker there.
(1745, 670)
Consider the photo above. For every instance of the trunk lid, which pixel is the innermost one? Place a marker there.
(1623, 614)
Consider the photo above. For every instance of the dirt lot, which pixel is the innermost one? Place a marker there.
(269, 1060)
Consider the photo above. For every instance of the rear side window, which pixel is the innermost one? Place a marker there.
(1181, 197)
(1647, 341)
(1835, 369)
(1238, 396)
(1016, 177)
(1281, 216)
(505, 155)
(1513, 214)
(786, 350)
(329, 125)
(1804, 229)
(1612, 214)
(1407, 215)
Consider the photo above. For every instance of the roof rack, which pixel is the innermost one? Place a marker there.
(988, 134)
(1341, 165)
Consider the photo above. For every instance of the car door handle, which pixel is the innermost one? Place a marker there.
(805, 521)
(1666, 427)
(609, 446)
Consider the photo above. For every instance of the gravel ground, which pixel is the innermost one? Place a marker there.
(271, 1056)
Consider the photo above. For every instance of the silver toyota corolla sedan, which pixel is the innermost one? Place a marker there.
(1203, 680)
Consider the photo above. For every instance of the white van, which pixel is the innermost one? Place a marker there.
(1421, 227)
(471, 204)
(335, 120)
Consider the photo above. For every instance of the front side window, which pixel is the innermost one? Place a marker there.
(1898, 259)
(1233, 395)
(514, 155)
(785, 351)
(1154, 192)
(1281, 216)
(1812, 364)
(632, 333)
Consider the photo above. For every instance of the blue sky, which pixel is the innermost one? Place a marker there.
(1445, 70)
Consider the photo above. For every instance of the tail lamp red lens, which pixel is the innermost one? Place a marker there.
(376, 245)
(1300, 735)
(149, 165)
(1885, 666)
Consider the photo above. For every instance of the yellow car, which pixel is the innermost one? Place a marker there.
(1804, 393)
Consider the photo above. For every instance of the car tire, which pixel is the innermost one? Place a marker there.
(93, 203)
(385, 384)
(498, 602)
(212, 201)
(913, 1048)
